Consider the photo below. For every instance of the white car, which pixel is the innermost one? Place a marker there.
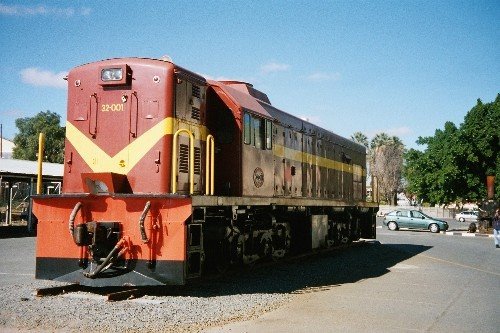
(467, 215)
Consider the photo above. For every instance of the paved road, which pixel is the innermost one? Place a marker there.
(405, 281)
(412, 281)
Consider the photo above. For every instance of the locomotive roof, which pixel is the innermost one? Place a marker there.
(247, 102)
(240, 99)
(243, 96)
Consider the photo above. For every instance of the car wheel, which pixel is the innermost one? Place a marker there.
(461, 219)
(434, 228)
(392, 226)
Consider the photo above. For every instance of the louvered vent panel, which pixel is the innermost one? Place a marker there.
(195, 113)
(196, 91)
(184, 158)
(197, 160)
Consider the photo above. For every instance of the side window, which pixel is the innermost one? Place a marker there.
(417, 215)
(257, 132)
(247, 129)
(269, 134)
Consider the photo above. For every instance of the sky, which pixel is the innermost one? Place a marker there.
(404, 68)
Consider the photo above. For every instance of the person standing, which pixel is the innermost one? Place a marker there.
(496, 228)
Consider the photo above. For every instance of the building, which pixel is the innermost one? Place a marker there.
(6, 148)
(18, 180)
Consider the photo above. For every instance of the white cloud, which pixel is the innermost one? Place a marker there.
(43, 78)
(274, 67)
(322, 76)
(19, 10)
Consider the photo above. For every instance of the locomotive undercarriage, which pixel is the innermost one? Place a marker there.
(238, 235)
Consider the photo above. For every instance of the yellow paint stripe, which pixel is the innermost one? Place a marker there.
(128, 157)
(299, 156)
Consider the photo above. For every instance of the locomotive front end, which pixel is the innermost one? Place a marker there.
(112, 240)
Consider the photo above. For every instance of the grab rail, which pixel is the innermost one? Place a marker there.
(93, 131)
(209, 165)
(191, 160)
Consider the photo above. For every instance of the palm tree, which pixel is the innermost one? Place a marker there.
(360, 138)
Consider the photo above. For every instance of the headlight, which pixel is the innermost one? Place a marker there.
(112, 74)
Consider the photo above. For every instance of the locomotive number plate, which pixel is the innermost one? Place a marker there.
(112, 107)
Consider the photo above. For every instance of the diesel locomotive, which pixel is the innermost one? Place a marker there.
(169, 175)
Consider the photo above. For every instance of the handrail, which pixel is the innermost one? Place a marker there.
(93, 132)
(134, 117)
(41, 152)
(209, 165)
(191, 160)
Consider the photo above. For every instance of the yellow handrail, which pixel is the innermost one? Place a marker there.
(191, 160)
(209, 165)
(41, 145)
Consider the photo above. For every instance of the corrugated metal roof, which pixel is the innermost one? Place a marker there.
(30, 168)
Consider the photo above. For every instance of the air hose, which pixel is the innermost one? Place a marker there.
(107, 261)
(73, 216)
(141, 222)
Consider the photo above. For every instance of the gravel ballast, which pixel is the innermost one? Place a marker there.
(243, 295)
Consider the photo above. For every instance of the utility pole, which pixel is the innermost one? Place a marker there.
(1, 140)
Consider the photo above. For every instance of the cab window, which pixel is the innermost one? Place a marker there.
(269, 134)
(257, 132)
(247, 129)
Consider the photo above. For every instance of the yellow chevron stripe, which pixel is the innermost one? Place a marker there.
(128, 157)
(299, 156)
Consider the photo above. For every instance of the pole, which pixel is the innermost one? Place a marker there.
(1, 140)
(41, 143)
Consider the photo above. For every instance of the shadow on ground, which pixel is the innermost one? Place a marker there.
(307, 274)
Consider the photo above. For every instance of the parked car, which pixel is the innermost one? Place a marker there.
(413, 219)
(467, 215)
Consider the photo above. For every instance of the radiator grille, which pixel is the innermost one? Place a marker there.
(184, 158)
(196, 91)
(197, 160)
(195, 113)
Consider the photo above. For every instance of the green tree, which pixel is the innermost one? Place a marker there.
(481, 135)
(360, 138)
(435, 175)
(456, 161)
(26, 140)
